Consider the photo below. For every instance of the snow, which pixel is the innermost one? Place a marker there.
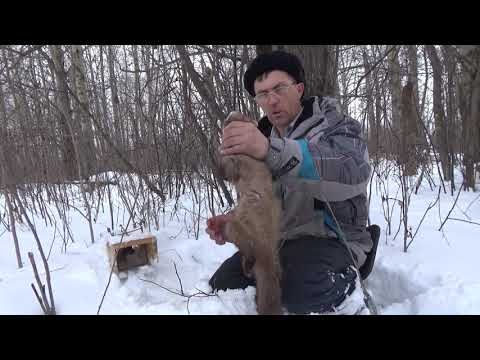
(437, 275)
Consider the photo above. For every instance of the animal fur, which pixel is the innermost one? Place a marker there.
(253, 225)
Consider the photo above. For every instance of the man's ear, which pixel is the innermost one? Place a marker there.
(301, 88)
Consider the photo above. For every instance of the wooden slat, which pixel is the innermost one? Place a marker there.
(129, 243)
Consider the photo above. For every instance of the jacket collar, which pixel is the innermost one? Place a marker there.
(265, 126)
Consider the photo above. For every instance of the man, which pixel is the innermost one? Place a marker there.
(319, 164)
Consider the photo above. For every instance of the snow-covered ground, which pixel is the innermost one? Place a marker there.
(438, 274)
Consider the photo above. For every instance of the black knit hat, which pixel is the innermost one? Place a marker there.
(275, 60)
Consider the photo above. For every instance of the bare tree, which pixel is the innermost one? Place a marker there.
(65, 112)
(438, 110)
(13, 228)
(449, 56)
(469, 88)
(372, 119)
(395, 91)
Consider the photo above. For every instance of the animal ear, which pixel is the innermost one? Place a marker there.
(230, 168)
(233, 116)
(238, 116)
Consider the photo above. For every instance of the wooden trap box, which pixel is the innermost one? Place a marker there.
(132, 253)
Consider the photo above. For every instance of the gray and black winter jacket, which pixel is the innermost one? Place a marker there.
(322, 158)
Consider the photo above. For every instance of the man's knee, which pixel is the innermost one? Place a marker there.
(310, 290)
(230, 275)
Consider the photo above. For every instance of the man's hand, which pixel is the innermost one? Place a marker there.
(240, 137)
(216, 228)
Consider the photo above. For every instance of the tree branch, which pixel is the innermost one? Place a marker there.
(115, 260)
(428, 209)
(106, 137)
(470, 222)
(39, 299)
(178, 277)
(373, 67)
(44, 304)
(458, 194)
(198, 294)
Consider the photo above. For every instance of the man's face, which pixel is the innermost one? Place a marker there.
(282, 103)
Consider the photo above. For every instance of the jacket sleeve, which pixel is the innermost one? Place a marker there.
(334, 163)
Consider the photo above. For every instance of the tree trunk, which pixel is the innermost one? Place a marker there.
(395, 91)
(137, 118)
(13, 229)
(151, 77)
(371, 120)
(98, 110)
(438, 110)
(117, 128)
(415, 141)
(320, 64)
(416, 129)
(470, 85)
(65, 116)
(106, 123)
(263, 49)
(408, 155)
(452, 143)
(87, 146)
(413, 72)
(380, 111)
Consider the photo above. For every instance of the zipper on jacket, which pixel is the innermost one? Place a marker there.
(354, 211)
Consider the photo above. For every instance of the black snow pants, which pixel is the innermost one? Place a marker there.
(317, 275)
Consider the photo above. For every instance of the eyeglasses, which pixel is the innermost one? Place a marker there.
(279, 90)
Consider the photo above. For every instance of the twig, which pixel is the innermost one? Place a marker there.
(468, 207)
(39, 299)
(373, 67)
(445, 237)
(200, 293)
(54, 237)
(440, 219)
(428, 209)
(419, 119)
(178, 277)
(400, 222)
(115, 260)
(470, 222)
(204, 293)
(163, 287)
(44, 304)
(458, 194)
(464, 213)
(40, 249)
(175, 236)
(126, 232)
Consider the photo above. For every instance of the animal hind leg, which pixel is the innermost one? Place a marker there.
(267, 275)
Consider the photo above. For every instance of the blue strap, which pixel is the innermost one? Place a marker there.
(307, 170)
(331, 225)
